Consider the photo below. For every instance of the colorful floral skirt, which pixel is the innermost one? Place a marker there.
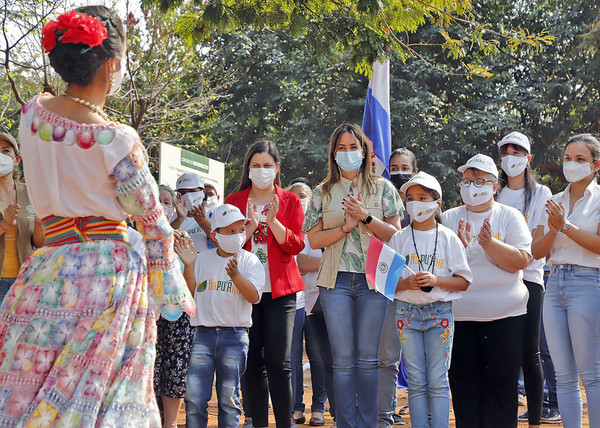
(77, 340)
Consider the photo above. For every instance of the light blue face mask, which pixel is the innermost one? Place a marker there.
(349, 161)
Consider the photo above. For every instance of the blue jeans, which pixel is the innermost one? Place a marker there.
(220, 350)
(389, 363)
(426, 332)
(354, 316)
(572, 314)
(5, 284)
(301, 335)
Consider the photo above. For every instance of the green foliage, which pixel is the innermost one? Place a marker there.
(364, 30)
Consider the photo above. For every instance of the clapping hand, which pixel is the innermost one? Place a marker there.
(464, 232)
(232, 267)
(184, 251)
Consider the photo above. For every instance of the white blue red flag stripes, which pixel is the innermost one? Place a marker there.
(384, 267)
(376, 123)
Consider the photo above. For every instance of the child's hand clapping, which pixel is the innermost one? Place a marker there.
(231, 267)
(185, 253)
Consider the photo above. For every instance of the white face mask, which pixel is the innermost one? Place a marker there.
(262, 178)
(168, 211)
(7, 164)
(514, 165)
(304, 203)
(192, 199)
(211, 203)
(231, 243)
(575, 171)
(421, 211)
(117, 78)
(476, 195)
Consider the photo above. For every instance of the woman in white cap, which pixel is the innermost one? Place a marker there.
(570, 241)
(424, 300)
(519, 189)
(489, 318)
(20, 230)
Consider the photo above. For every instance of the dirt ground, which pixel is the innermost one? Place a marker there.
(402, 401)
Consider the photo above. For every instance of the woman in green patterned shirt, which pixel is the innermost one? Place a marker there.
(346, 209)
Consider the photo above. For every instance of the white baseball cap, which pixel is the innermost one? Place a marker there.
(517, 139)
(423, 179)
(189, 180)
(481, 162)
(224, 215)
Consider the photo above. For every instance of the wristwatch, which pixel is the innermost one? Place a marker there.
(368, 219)
(566, 226)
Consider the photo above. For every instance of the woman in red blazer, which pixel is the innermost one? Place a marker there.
(275, 235)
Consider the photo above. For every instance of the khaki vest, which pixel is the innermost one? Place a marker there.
(334, 217)
(25, 223)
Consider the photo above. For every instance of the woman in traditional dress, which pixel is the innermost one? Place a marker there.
(78, 327)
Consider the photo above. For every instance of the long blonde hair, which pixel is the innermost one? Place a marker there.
(365, 172)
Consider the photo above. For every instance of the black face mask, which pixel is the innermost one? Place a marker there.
(399, 179)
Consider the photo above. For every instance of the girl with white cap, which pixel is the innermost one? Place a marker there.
(569, 239)
(488, 332)
(424, 300)
(519, 189)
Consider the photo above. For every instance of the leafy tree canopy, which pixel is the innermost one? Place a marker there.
(365, 29)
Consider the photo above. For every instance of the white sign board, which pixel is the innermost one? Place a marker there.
(174, 161)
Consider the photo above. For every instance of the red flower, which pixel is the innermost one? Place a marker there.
(444, 323)
(49, 36)
(82, 28)
(74, 27)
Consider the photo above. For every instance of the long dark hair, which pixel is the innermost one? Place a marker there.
(260, 146)
(530, 180)
(334, 174)
(591, 143)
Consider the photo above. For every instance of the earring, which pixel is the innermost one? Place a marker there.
(112, 81)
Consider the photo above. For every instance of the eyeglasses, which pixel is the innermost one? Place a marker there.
(478, 182)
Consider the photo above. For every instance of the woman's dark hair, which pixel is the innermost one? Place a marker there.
(405, 152)
(72, 65)
(530, 180)
(260, 146)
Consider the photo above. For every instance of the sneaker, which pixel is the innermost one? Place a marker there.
(523, 416)
(248, 423)
(403, 410)
(398, 419)
(551, 417)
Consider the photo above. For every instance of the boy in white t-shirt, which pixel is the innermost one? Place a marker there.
(225, 282)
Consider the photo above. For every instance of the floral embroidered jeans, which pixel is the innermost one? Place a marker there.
(426, 333)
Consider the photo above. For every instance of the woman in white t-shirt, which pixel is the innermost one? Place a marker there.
(569, 239)
(519, 189)
(424, 300)
(489, 318)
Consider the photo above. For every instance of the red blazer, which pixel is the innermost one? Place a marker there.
(285, 276)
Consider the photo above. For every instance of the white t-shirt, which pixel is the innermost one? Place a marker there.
(450, 260)
(196, 233)
(310, 279)
(259, 244)
(218, 301)
(586, 216)
(533, 217)
(495, 293)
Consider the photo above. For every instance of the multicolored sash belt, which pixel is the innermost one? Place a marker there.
(69, 230)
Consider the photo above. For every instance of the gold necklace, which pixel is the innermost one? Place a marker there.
(89, 105)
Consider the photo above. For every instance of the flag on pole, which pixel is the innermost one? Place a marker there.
(384, 267)
(376, 118)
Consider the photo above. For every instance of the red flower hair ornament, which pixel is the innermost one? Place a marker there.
(74, 27)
